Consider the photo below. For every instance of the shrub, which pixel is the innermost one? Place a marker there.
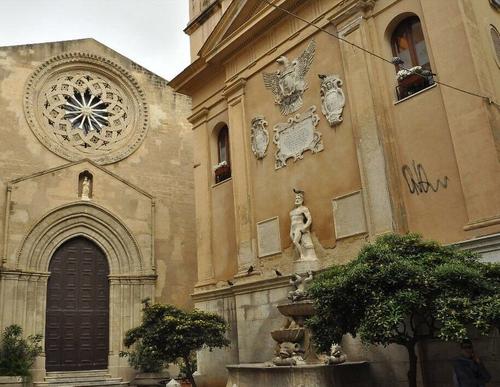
(402, 290)
(18, 354)
(171, 335)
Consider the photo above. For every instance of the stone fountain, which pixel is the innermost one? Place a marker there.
(294, 340)
(296, 363)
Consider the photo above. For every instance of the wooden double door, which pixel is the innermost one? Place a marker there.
(77, 324)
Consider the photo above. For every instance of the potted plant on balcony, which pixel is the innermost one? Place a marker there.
(222, 171)
(17, 355)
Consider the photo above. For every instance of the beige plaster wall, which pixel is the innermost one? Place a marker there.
(162, 166)
(452, 135)
(323, 176)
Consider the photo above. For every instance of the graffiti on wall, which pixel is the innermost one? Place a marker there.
(418, 182)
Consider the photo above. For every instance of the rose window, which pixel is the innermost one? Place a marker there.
(81, 105)
(86, 111)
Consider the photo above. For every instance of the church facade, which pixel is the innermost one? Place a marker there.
(354, 105)
(97, 203)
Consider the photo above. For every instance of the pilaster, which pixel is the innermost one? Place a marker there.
(369, 144)
(242, 186)
(203, 197)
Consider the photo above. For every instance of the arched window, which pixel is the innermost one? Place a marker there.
(408, 44)
(223, 168)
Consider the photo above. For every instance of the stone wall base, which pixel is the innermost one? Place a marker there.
(350, 374)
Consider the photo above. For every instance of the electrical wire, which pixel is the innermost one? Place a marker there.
(488, 99)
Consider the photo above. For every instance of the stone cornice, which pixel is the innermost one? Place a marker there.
(220, 52)
(235, 89)
(8, 273)
(202, 17)
(181, 81)
(242, 288)
(198, 117)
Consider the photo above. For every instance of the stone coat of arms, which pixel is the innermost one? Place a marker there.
(288, 83)
(332, 98)
(259, 137)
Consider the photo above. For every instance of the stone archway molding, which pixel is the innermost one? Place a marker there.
(82, 219)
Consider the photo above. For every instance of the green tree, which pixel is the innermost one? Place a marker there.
(402, 290)
(170, 335)
(17, 354)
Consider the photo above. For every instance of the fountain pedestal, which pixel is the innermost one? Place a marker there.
(348, 374)
(294, 340)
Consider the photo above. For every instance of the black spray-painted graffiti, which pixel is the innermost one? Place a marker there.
(418, 182)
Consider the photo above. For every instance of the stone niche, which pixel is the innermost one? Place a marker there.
(46, 209)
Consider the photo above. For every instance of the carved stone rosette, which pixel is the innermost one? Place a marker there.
(296, 136)
(332, 98)
(259, 137)
(81, 105)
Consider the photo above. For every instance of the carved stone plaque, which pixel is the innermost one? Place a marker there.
(259, 137)
(349, 215)
(268, 237)
(296, 137)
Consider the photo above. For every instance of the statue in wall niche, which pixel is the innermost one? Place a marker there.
(85, 188)
(288, 83)
(300, 228)
(332, 98)
(336, 355)
(299, 283)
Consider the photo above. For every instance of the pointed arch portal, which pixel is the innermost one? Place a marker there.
(76, 331)
(79, 277)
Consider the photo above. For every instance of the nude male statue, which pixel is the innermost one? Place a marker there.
(300, 226)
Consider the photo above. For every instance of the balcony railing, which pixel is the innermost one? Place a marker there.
(413, 84)
(222, 173)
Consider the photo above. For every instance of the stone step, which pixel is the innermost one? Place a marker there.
(107, 383)
(80, 379)
(114, 382)
(78, 374)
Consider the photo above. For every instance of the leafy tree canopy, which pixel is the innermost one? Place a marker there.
(171, 335)
(402, 289)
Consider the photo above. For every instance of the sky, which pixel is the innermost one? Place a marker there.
(150, 32)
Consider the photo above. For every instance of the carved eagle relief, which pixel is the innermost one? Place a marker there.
(288, 83)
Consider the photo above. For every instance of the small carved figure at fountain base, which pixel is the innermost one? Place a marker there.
(336, 355)
(289, 354)
(291, 361)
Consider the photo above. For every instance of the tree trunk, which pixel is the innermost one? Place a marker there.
(412, 358)
(189, 371)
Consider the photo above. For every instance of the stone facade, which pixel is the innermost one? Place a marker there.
(393, 158)
(122, 179)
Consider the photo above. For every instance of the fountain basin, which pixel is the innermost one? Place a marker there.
(288, 335)
(297, 309)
